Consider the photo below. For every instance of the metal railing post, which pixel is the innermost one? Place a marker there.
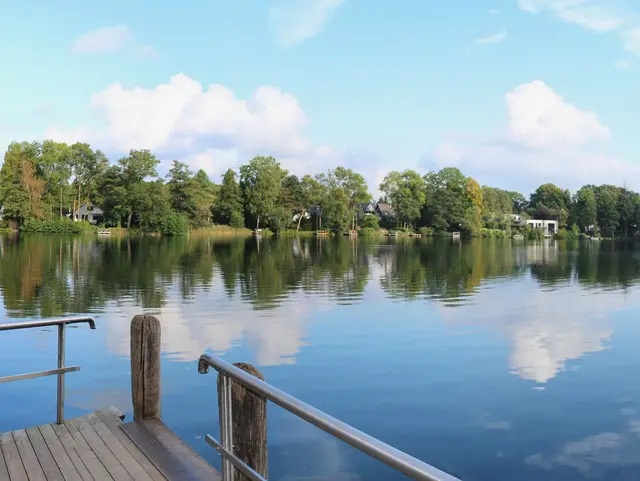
(226, 425)
(60, 405)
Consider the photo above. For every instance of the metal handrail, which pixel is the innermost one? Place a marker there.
(62, 369)
(399, 460)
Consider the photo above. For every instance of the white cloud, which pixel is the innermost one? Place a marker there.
(545, 138)
(102, 40)
(493, 11)
(595, 15)
(210, 127)
(489, 39)
(539, 117)
(294, 21)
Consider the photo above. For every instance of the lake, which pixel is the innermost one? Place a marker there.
(490, 359)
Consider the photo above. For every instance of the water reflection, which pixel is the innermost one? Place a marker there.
(211, 294)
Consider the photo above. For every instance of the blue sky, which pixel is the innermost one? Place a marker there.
(514, 92)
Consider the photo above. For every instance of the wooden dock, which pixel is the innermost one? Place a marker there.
(99, 446)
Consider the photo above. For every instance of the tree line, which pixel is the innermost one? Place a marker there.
(48, 181)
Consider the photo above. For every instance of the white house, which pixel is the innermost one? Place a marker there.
(89, 212)
(549, 227)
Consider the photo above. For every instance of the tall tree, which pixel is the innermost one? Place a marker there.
(229, 205)
(179, 177)
(607, 208)
(345, 181)
(137, 166)
(260, 181)
(294, 197)
(55, 165)
(584, 210)
(406, 192)
(21, 190)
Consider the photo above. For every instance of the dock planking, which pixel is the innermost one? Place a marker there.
(96, 447)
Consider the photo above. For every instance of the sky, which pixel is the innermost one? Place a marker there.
(513, 92)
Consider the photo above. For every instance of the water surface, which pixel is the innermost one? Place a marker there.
(493, 360)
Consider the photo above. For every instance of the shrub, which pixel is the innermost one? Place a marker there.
(493, 233)
(236, 220)
(370, 222)
(575, 230)
(425, 231)
(56, 226)
(175, 225)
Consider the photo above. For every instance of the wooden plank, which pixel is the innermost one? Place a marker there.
(113, 422)
(69, 445)
(106, 457)
(170, 454)
(14, 465)
(47, 463)
(88, 457)
(129, 463)
(28, 456)
(63, 459)
(4, 474)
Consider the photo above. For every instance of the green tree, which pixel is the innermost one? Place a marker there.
(406, 193)
(55, 166)
(203, 194)
(518, 201)
(473, 214)
(347, 185)
(550, 202)
(607, 208)
(293, 198)
(137, 166)
(626, 208)
(179, 178)
(87, 166)
(584, 209)
(228, 208)
(260, 181)
(21, 190)
(446, 199)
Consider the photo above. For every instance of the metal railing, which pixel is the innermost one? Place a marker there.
(401, 461)
(62, 369)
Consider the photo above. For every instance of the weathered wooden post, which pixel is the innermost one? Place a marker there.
(249, 424)
(145, 367)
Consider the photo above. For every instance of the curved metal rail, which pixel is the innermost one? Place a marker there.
(389, 455)
(62, 369)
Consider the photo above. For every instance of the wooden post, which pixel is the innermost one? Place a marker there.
(249, 423)
(145, 367)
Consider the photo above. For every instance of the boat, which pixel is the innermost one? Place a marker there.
(350, 232)
(257, 232)
(518, 236)
(393, 234)
(104, 232)
(455, 234)
(320, 233)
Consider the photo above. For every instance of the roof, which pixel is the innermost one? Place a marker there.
(385, 209)
(366, 206)
(89, 208)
